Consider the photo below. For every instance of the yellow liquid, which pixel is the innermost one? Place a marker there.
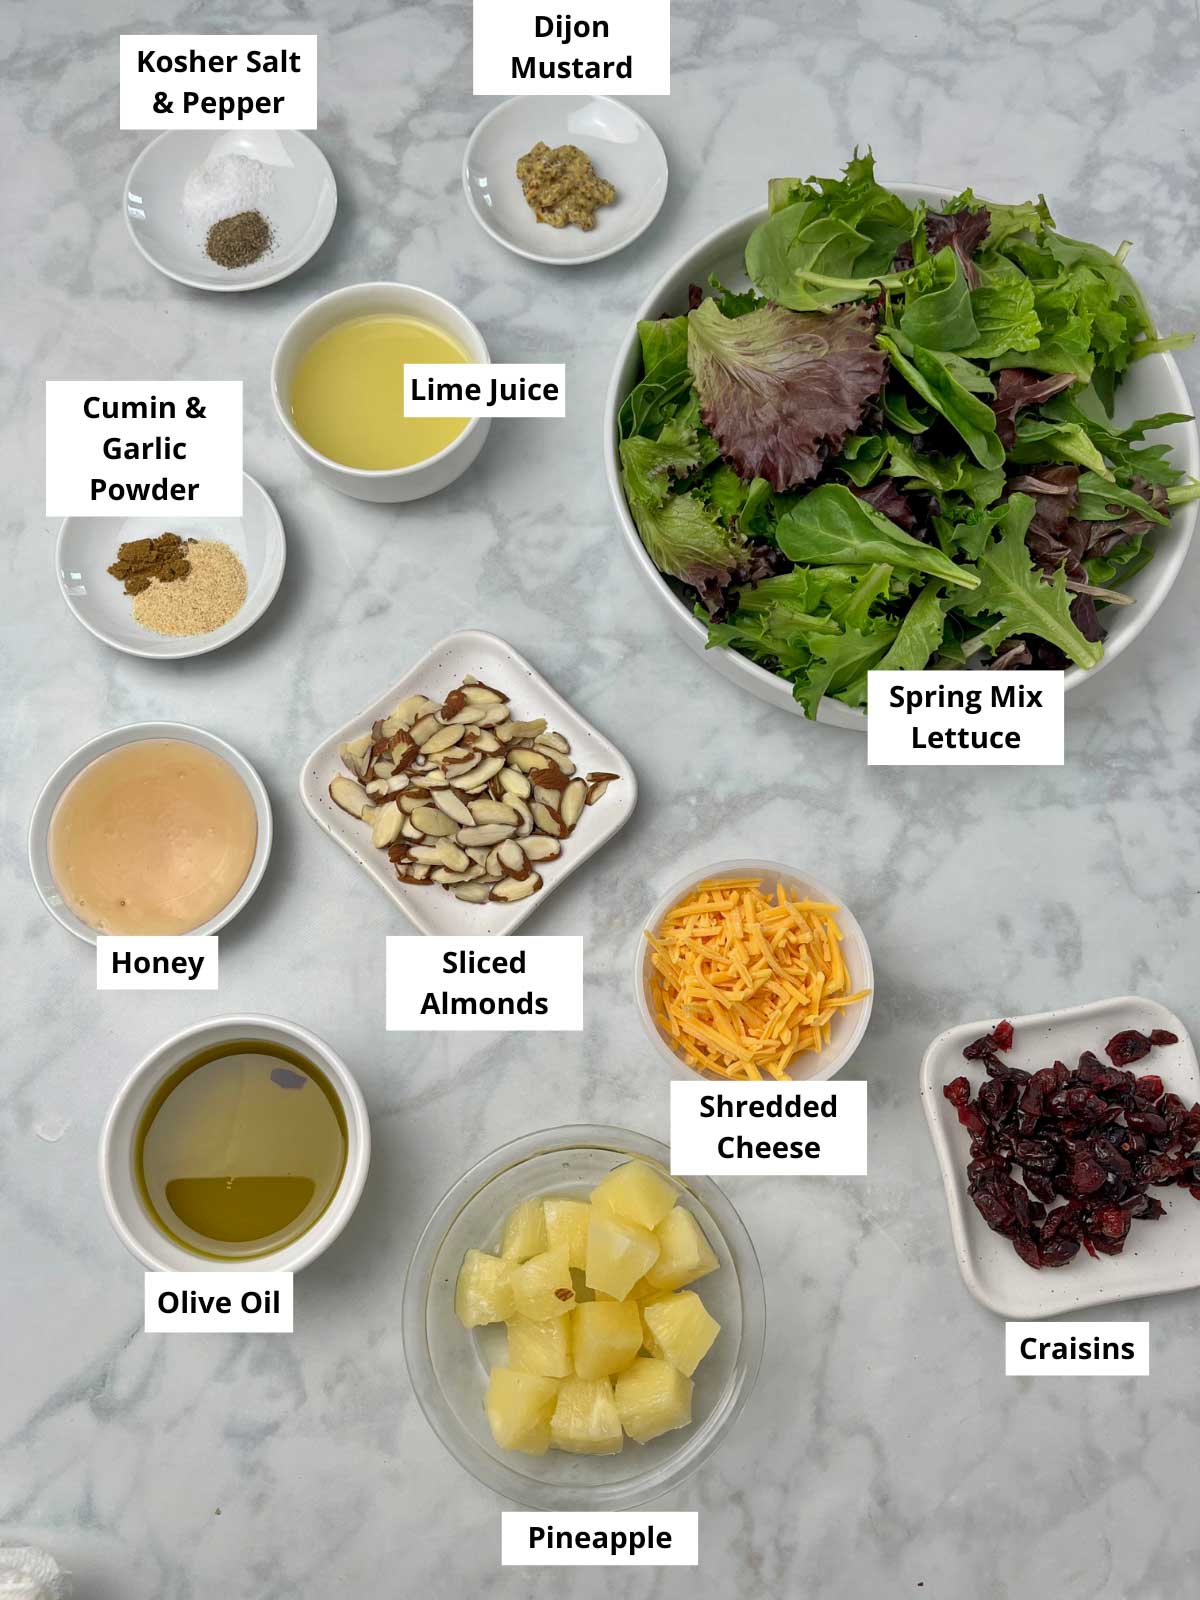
(348, 393)
(241, 1150)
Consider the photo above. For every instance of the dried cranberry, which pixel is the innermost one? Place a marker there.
(1125, 1047)
(1000, 1038)
(958, 1092)
(1087, 1176)
(1160, 1036)
(1149, 1087)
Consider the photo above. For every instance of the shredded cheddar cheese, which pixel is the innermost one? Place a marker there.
(742, 984)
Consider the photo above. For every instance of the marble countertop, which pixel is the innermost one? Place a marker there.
(884, 1451)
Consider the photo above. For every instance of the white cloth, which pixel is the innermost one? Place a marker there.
(28, 1574)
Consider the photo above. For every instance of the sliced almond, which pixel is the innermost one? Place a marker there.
(480, 855)
(433, 779)
(540, 848)
(474, 893)
(424, 728)
(514, 782)
(352, 797)
(528, 760)
(356, 754)
(487, 769)
(553, 741)
(486, 810)
(378, 786)
(480, 694)
(410, 801)
(517, 888)
(433, 822)
(493, 716)
(446, 800)
(385, 830)
(526, 816)
(487, 744)
(508, 731)
(396, 784)
(411, 831)
(597, 783)
(443, 853)
(574, 798)
(442, 739)
(563, 763)
(444, 875)
(512, 858)
(546, 820)
(548, 796)
(407, 712)
(489, 833)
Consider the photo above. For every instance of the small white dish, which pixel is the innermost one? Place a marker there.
(134, 1225)
(621, 145)
(432, 909)
(300, 206)
(1152, 385)
(43, 811)
(393, 484)
(848, 1027)
(1159, 1257)
(87, 547)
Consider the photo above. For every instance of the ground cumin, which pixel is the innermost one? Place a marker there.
(140, 561)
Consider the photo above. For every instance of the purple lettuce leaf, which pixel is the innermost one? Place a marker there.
(779, 390)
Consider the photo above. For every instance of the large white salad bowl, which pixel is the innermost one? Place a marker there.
(1154, 385)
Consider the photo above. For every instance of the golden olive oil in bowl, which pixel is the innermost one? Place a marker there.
(347, 393)
(240, 1150)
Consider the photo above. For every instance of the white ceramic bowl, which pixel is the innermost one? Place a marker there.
(134, 1225)
(367, 299)
(39, 824)
(429, 908)
(1159, 1257)
(621, 145)
(1153, 385)
(87, 547)
(300, 206)
(848, 1026)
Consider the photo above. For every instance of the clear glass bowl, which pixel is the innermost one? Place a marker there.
(449, 1366)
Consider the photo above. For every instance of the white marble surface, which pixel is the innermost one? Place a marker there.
(884, 1452)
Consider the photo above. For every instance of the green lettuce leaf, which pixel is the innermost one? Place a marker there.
(920, 632)
(929, 373)
(938, 305)
(1014, 590)
(830, 526)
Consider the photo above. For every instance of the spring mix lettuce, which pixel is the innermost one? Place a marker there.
(896, 449)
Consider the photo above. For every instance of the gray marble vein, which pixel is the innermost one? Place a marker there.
(884, 1452)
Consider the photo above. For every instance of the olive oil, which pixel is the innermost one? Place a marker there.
(240, 1150)
(347, 396)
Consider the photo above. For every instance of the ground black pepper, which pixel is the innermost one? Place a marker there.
(239, 241)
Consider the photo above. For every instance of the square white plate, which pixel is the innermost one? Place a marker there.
(1159, 1257)
(433, 909)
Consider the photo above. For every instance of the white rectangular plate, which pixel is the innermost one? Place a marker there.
(433, 909)
(1159, 1257)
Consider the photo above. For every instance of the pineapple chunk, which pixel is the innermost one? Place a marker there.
(541, 1347)
(542, 1286)
(605, 1335)
(637, 1193)
(567, 1223)
(585, 1419)
(525, 1232)
(484, 1291)
(618, 1253)
(684, 1252)
(519, 1406)
(652, 1398)
(679, 1329)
